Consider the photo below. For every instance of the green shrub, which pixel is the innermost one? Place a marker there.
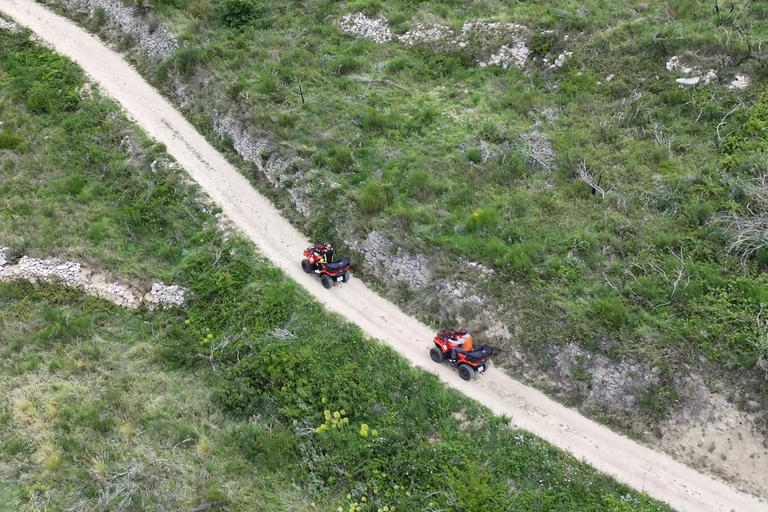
(99, 18)
(421, 185)
(474, 155)
(12, 140)
(240, 13)
(345, 65)
(266, 85)
(398, 64)
(374, 121)
(398, 21)
(374, 198)
(541, 44)
(369, 7)
(484, 220)
(187, 60)
(611, 311)
(273, 449)
(46, 82)
(337, 157)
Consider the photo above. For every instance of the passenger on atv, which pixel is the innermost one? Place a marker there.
(459, 338)
(323, 253)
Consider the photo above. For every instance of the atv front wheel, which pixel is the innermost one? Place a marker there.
(437, 355)
(345, 277)
(305, 266)
(466, 372)
(327, 283)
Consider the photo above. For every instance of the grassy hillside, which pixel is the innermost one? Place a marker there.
(663, 260)
(253, 398)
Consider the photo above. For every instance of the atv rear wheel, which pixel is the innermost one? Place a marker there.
(345, 277)
(437, 355)
(466, 372)
(305, 266)
(327, 283)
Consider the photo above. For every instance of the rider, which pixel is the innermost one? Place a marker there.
(322, 252)
(462, 338)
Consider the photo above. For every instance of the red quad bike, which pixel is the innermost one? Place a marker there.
(469, 363)
(334, 271)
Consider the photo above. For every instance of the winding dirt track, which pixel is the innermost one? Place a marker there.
(636, 465)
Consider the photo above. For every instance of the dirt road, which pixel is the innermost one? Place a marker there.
(655, 473)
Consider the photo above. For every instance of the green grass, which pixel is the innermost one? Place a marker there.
(220, 405)
(580, 267)
(78, 183)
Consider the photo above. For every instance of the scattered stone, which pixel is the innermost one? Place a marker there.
(611, 385)
(709, 77)
(73, 275)
(493, 43)
(8, 25)
(358, 24)
(739, 82)
(674, 64)
(154, 38)
(485, 271)
(560, 60)
(498, 331)
(165, 296)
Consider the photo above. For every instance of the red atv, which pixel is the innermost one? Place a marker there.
(333, 271)
(469, 363)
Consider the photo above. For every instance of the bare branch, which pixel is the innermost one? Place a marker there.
(722, 122)
(371, 80)
(584, 174)
(537, 149)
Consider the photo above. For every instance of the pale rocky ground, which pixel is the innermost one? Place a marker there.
(695, 76)
(485, 36)
(155, 39)
(74, 275)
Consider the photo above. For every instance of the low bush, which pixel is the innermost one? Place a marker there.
(374, 198)
(241, 13)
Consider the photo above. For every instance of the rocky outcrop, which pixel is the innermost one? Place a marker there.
(390, 262)
(490, 43)
(74, 275)
(8, 25)
(153, 38)
(358, 24)
(280, 171)
(598, 380)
